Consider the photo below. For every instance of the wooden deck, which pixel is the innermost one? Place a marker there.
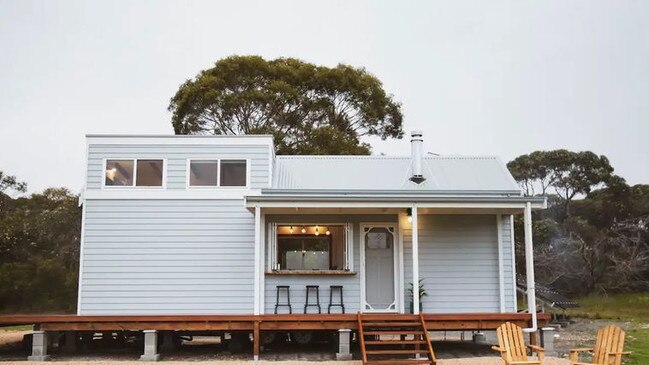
(256, 324)
(434, 322)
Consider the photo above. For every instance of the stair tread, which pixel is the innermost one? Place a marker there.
(399, 362)
(396, 342)
(393, 332)
(395, 352)
(391, 324)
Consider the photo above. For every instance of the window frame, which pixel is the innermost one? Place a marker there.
(273, 245)
(162, 186)
(218, 186)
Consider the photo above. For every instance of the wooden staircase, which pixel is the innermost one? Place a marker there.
(394, 339)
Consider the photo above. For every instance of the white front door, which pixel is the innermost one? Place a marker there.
(378, 249)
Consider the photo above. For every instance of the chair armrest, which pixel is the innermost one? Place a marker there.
(497, 348)
(536, 348)
(583, 349)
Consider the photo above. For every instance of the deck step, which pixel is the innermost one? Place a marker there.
(395, 352)
(394, 332)
(396, 342)
(399, 362)
(391, 324)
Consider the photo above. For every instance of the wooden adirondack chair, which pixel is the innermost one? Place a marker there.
(512, 348)
(608, 349)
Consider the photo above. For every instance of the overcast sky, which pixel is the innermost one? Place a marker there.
(483, 77)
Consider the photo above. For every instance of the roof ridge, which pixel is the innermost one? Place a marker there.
(428, 157)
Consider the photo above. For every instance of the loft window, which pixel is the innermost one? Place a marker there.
(233, 173)
(203, 173)
(218, 173)
(134, 172)
(149, 173)
(311, 247)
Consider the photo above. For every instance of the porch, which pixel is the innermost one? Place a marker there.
(463, 251)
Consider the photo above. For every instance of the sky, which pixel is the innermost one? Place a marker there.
(477, 77)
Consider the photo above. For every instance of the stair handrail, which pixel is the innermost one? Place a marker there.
(361, 338)
(431, 353)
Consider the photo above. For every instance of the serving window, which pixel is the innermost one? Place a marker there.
(300, 247)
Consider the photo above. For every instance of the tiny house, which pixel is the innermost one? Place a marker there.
(188, 225)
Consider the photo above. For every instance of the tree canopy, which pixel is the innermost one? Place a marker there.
(308, 109)
(594, 236)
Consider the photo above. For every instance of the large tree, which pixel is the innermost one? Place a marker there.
(309, 109)
(569, 174)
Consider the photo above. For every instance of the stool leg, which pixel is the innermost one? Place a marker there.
(288, 299)
(331, 293)
(317, 298)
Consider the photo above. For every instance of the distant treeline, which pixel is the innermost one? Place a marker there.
(594, 237)
(39, 249)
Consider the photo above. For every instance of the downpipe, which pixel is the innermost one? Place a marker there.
(529, 268)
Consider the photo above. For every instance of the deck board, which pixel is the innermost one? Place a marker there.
(434, 321)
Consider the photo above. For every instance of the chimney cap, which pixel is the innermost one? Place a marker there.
(416, 133)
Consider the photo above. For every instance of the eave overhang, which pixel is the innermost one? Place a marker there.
(392, 199)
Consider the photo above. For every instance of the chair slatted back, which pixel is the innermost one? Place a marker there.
(610, 339)
(510, 338)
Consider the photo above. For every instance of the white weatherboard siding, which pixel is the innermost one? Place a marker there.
(167, 257)
(458, 260)
(298, 283)
(176, 156)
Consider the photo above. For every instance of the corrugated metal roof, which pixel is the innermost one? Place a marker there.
(442, 173)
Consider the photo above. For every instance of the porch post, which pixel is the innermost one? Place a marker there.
(415, 261)
(529, 266)
(257, 270)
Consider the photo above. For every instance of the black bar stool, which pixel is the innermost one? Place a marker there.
(340, 304)
(317, 298)
(288, 298)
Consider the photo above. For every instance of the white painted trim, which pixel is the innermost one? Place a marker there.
(134, 186)
(415, 259)
(245, 140)
(170, 194)
(373, 204)
(513, 243)
(361, 242)
(501, 273)
(257, 263)
(271, 163)
(262, 276)
(402, 276)
(81, 244)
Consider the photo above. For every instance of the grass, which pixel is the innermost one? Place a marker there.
(638, 343)
(623, 307)
(17, 328)
(632, 308)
